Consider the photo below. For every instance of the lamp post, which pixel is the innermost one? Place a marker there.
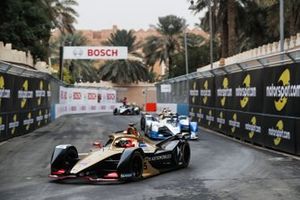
(210, 34)
(186, 54)
(61, 53)
(194, 7)
(281, 14)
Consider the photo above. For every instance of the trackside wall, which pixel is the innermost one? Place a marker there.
(260, 106)
(30, 99)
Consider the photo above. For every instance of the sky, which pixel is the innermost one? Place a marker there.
(130, 14)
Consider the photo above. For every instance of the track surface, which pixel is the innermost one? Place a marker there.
(219, 168)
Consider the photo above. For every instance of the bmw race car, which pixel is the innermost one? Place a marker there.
(163, 128)
(187, 126)
(169, 125)
(125, 157)
(146, 120)
(127, 110)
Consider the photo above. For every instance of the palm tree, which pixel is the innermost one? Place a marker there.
(291, 15)
(163, 47)
(124, 71)
(80, 70)
(240, 24)
(62, 14)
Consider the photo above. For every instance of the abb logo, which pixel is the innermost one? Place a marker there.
(110, 96)
(92, 96)
(76, 95)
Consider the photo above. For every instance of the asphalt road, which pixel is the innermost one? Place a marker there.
(219, 168)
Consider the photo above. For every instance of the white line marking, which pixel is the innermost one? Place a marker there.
(1, 143)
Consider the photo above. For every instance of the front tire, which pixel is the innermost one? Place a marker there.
(182, 155)
(137, 166)
(186, 155)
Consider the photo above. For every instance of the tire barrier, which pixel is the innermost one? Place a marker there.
(260, 106)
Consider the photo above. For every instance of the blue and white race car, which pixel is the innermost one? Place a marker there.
(166, 126)
(188, 127)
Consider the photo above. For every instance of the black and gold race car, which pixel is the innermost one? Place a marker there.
(125, 157)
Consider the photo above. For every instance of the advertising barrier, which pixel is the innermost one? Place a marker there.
(297, 131)
(260, 106)
(3, 127)
(14, 125)
(194, 92)
(282, 90)
(221, 121)
(64, 109)
(252, 128)
(6, 92)
(20, 100)
(206, 92)
(224, 92)
(248, 91)
(279, 134)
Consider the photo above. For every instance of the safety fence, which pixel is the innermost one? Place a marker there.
(256, 100)
(30, 99)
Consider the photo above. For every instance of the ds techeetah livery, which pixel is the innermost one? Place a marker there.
(125, 157)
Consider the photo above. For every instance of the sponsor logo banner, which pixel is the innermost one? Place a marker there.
(94, 52)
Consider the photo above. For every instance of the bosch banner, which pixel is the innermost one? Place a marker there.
(6, 92)
(93, 52)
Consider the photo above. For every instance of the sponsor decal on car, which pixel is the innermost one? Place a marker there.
(160, 157)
